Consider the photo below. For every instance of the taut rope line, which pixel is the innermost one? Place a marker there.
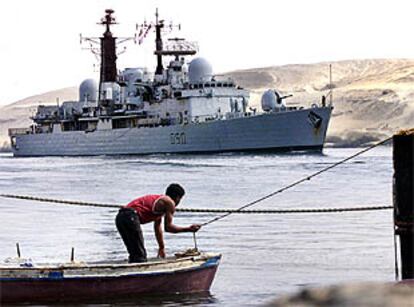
(240, 210)
(203, 210)
(300, 181)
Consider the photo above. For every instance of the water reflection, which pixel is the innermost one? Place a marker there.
(171, 300)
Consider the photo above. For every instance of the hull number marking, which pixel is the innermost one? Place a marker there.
(178, 138)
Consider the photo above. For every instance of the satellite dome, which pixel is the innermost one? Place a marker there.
(88, 90)
(199, 70)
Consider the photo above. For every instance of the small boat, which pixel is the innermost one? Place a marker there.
(80, 282)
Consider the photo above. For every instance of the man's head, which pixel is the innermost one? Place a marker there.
(176, 192)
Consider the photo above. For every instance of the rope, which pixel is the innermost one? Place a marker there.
(202, 210)
(300, 181)
(228, 212)
(195, 241)
(288, 211)
(61, 201)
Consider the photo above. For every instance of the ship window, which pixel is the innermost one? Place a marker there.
(195, 85)
(207, 85)
(145, 96)
(185, 112)
(219, 84)
(213, 85)
(83, 126)
(119, 124)
(224, 84)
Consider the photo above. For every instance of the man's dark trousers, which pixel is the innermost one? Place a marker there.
(128, 224)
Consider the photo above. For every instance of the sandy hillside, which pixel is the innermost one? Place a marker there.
(372, 98)
(18, 114)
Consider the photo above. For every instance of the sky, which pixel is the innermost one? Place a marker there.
(40, 49)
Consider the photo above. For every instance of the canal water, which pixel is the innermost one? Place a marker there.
(264, 256)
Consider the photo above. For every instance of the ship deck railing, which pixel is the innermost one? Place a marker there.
(19, 131)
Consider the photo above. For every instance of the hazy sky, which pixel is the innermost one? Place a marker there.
(40, 48)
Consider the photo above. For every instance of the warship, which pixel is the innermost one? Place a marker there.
(180, 108)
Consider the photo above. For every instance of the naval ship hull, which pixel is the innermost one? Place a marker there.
(276, 131)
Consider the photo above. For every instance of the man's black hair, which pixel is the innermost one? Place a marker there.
(174, 190)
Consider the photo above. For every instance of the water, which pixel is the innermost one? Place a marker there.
(264, 256)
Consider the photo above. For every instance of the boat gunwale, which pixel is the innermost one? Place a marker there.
(204, 264)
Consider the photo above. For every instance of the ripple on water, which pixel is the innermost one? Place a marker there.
(263, 255)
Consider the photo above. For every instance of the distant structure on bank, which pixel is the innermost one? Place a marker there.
(180, 108)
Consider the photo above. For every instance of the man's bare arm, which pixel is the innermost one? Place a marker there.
(160, 238)
(169, 226)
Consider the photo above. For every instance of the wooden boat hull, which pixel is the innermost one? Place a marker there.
(130, 281)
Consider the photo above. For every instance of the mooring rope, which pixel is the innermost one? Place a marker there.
(202, 210)
(240, 210)
(254, 202)
(287, 211)
(61, 201)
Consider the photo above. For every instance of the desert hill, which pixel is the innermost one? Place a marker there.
(372, 98)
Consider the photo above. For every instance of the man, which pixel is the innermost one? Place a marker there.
(146, 209)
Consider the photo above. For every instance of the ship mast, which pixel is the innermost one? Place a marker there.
(159, 24)
(108, 50)
(181, 48)
(108, 71)
(107, 53)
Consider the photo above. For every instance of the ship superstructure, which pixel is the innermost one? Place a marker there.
(182, 107)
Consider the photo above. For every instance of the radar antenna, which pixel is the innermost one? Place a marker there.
(180, 47)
